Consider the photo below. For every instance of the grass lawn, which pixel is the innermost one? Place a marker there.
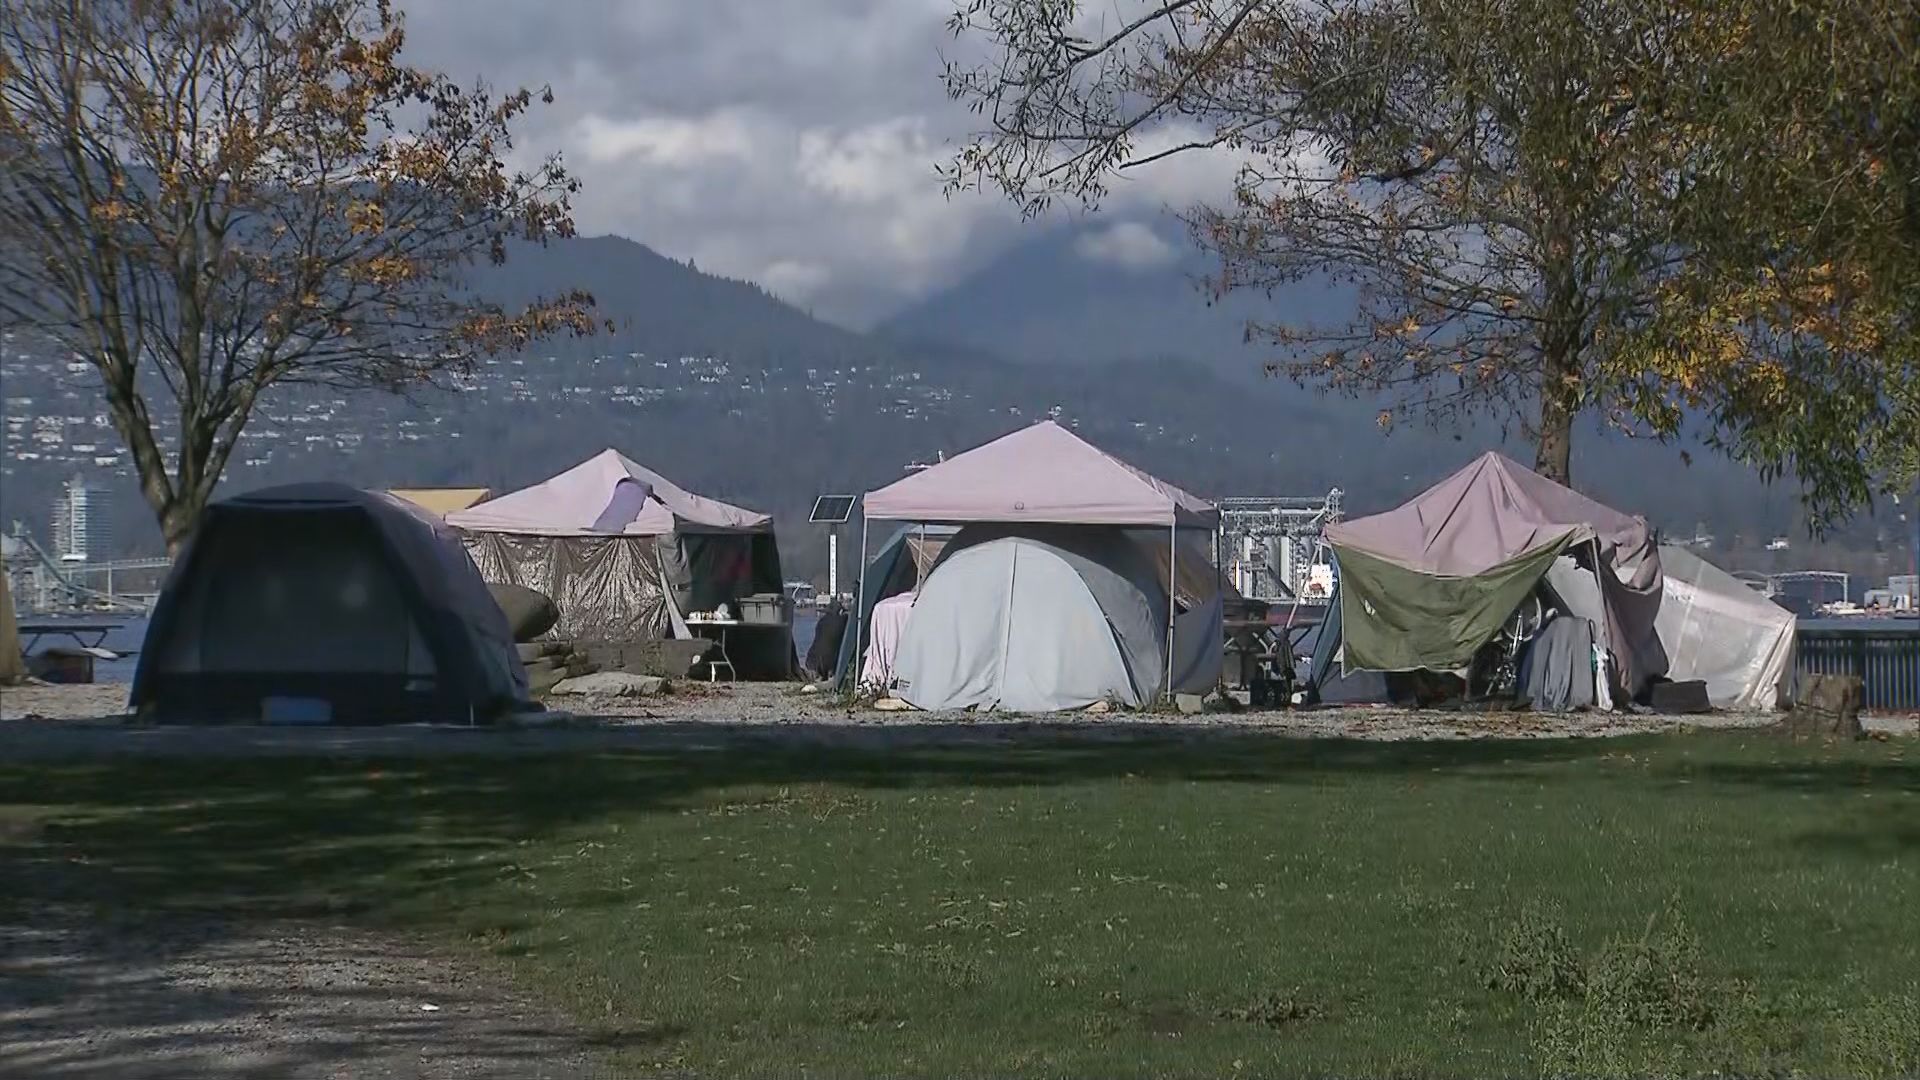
(1677, 904)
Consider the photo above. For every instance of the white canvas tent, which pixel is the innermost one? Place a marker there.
(1716, 629)
(1039, 478)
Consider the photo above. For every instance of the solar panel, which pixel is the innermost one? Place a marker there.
(831, 510)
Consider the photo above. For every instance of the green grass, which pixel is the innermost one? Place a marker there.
(1678, 905)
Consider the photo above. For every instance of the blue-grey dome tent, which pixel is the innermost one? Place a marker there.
(322, 602)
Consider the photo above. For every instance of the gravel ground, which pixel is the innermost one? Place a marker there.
(41, 722)
(224, 1001)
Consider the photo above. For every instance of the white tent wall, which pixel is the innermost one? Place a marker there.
(1717, 630)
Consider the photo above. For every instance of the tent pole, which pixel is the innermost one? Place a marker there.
(1173, 595)
(860, 607)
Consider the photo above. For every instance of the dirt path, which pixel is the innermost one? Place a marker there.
(219, 1001)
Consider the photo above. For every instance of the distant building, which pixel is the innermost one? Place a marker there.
(79, 531)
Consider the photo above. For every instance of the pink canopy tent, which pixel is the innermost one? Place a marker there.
(623, 552)
(1042, 474)
(1039, 474)
(606, 494)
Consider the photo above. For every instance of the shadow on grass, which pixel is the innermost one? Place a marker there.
(304, 836)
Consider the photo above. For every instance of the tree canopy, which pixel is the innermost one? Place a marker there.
(206, 198)
(1540, 208)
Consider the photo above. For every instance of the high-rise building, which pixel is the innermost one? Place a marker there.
(78, 532)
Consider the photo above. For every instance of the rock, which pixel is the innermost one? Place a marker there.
(1190, 704)
(891, 704)
(612, 684)
(1099, 708)
(1827, 706)
(529, 613)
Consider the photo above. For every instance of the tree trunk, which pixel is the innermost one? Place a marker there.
(179, 519)
(1559, 404)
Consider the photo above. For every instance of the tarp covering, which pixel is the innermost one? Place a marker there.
(323, 592)
(622, 551)
(607, 588)
(1395, 619)
(1039, 474)
(13, 667)
(1556, 673)
(1429, 582)
(577, 503)
(1717, 630)
(1044, 618)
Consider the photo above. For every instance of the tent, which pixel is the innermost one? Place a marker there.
(290, 597)
(1044, 475)
(13, 667)
(1425, 585)
(626, 554)
(1716, 629)
(900, 566)
(1040, 618)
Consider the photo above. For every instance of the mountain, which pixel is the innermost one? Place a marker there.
(733, 392)
(1096, 292)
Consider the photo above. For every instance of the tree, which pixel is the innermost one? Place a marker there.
(1797, 305)
(1474, 172)
(206, 199)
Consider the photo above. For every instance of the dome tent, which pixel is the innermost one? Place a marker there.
(1050, 499)
(1028, 618)
(322, 593)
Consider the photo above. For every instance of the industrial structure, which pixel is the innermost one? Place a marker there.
(1272, 549)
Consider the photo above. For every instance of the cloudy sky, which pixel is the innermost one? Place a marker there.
(791, 142)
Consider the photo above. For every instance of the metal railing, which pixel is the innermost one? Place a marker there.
(1887, 660)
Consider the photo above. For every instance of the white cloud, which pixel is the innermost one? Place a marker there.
(794, 144)
(671, 141)
(1128, 245)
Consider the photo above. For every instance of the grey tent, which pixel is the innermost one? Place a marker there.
(1041, 618)
(1044, 476)
(291, 597)
(626, 554)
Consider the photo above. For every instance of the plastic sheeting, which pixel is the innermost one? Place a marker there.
(607, 588)
(1717, 630)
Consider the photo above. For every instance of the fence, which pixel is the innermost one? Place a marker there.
(1886, 659)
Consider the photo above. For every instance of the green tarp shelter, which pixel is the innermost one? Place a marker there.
(1425, 585)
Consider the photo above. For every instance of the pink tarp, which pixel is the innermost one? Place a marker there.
(607, 494)
(1040, 474)
(1490, 512)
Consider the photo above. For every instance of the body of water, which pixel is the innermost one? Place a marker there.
(128, 634)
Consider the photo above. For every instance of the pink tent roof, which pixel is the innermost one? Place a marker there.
(1042, 473)
(1487, 513)
(607, 494)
